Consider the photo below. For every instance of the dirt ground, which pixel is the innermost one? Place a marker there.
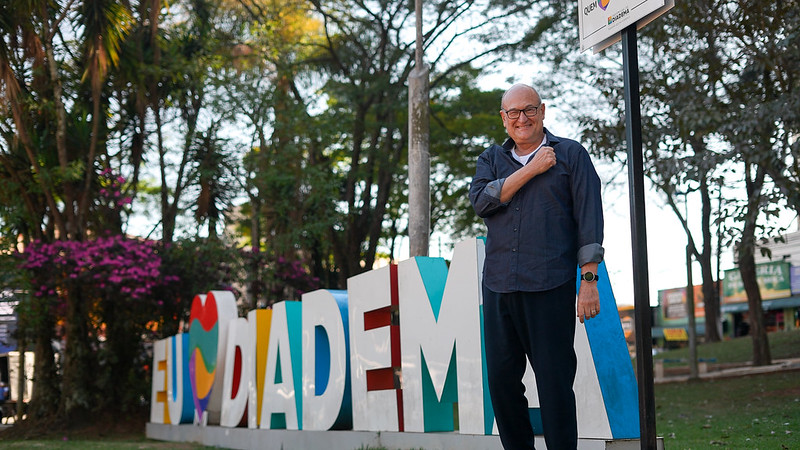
(103, 426)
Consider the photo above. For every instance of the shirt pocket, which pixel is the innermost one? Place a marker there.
(554, 194)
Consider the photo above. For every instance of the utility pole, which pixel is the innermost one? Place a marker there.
(419, 165)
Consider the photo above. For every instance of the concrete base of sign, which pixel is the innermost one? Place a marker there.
(245, 438)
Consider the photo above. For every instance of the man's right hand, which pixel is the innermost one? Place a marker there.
(543, 160)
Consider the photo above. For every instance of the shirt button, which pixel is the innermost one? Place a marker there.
(517, 208)
(513, 249)
(515, 229)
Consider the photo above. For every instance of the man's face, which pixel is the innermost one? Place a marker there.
(523, 130)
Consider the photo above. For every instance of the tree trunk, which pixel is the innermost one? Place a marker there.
(255, 251)
(167, 219)
(710, 294)
(78, 366)
(14, 106)
(68, 191)
(21, 380)
(119, 354)
(46, 392)
(747, 267)
(761, 352)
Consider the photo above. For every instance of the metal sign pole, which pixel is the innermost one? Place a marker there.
(641, 285)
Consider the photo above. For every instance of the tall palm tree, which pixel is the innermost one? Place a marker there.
(21, 50)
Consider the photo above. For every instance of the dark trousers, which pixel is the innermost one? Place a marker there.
(540, 325)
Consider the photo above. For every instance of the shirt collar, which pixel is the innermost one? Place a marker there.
(509, 144)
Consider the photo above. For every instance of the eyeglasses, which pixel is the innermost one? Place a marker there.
(530, 112)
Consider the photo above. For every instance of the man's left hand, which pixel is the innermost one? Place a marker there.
(588, 301)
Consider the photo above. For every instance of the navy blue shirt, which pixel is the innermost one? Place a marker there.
(553, 224)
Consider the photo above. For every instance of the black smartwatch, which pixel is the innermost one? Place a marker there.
(589, 276)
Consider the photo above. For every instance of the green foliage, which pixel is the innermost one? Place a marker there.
(349, 196)
(199, 266)
(718, 88)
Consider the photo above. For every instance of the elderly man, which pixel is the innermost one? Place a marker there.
(539, 196)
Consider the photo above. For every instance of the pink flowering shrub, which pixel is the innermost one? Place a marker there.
(113, 265)
(102, 297)
(104, 300)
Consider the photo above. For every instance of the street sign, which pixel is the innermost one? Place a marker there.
(601, 21)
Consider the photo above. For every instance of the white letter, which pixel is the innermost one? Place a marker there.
(324, 316)
(238, 372)
(179, 388)
(440, 315)
(375, 398)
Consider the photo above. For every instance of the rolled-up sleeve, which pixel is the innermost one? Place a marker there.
(484, 191)
(590, 253)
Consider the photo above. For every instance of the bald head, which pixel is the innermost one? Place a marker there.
(519, 88)
(522, 112)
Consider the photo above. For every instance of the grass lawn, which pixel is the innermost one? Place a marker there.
(750, 412)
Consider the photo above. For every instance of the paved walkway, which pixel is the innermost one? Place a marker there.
(778, 365)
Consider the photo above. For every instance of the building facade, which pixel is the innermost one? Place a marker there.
(778, 274)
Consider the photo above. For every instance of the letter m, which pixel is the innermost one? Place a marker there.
(440, 338)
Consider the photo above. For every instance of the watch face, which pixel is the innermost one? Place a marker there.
(589, 276)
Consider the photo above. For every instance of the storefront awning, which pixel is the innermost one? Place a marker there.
(766, 305)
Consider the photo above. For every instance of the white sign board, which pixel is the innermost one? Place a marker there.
(600, 21)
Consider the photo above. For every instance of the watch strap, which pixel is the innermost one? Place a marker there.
(590, 277)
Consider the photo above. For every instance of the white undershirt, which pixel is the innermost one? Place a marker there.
(524, 159)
